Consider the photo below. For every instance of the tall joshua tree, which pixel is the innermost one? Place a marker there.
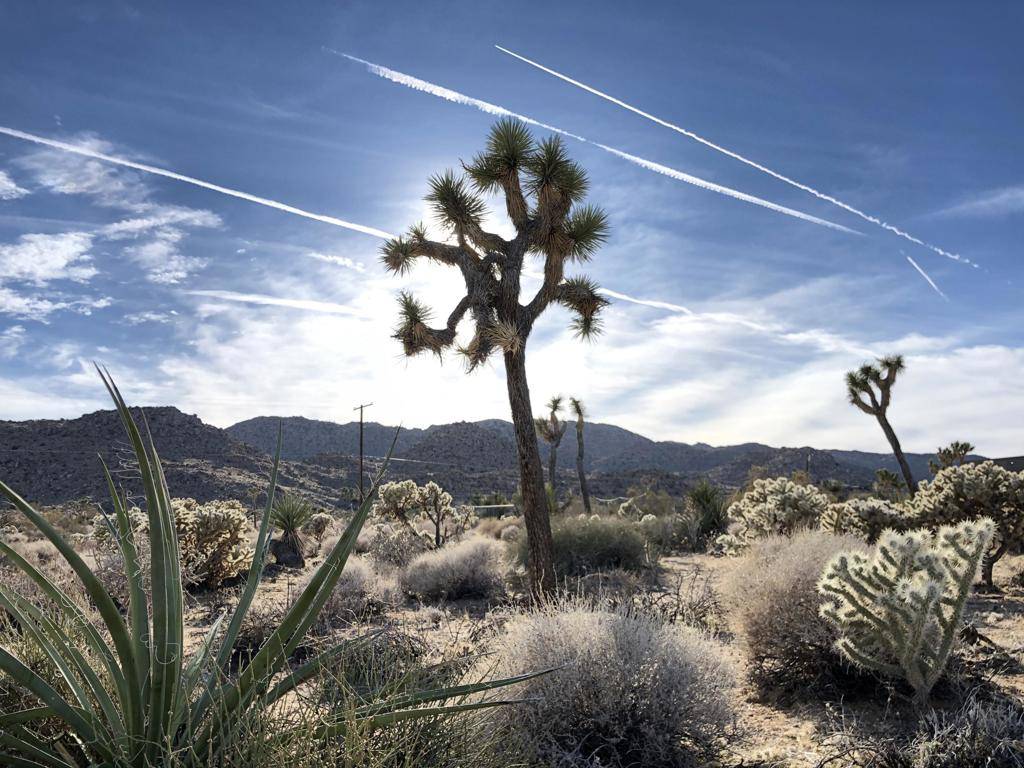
(577, 408)
(543, 191)
(551, 430)
(875, 382)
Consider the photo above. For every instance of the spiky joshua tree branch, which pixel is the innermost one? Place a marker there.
(580, 413)
(870, 389)
(543, 191)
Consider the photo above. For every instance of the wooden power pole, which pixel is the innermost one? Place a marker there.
(360, 409)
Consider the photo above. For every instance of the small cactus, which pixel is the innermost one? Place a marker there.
(899, 609)
(865, 518)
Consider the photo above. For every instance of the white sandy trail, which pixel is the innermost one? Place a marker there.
(925, 275)
(736, 156)
(86, 152)
(493, 109)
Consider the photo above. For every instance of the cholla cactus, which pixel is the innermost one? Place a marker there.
(899, 609)
(866, 518)
(775, 506)
(213, 539)
(318, 525)
(406, 502)
(971, 491)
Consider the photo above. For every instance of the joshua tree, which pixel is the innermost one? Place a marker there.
(551, 430)
(577, 408)
(881, 377)
(887, 485)
(290, 513)
(543, 190)
(953, 455)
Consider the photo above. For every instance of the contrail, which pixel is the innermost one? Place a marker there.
(924, 274)
(85, 152)
(736, 156)
(493, 109)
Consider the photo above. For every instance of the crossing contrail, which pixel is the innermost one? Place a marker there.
(86, 152)
(736, 156)
(493, 109)
(924, 274)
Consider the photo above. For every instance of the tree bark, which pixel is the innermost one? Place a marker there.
(584, 491)
(531, 477)
(989, 561)
(890, 435)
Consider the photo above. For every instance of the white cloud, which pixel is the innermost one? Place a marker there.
(40, 258)
(158, 217)
(991, 204)
(11, 340)
(162, 260)
(138, 318)
(8, 189)
(34, 307)
(341, 261)
(307, 305)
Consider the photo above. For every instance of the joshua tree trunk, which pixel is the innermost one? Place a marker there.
(552, 461)
(584, 491)
(890, 435)
(531, 476)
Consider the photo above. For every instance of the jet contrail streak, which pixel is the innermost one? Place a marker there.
(85, 152)
(493, 109)
(924, 274)
(775, 174)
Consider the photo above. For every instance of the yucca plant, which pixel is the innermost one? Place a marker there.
(289, 513)
(142, 703)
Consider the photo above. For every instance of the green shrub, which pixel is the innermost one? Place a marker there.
(472, 568)
(627, 690)
(586, 546)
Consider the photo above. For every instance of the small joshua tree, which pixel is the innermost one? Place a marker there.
(899, 609)
(543, 190)
(551, 430)
(875, 382)
(577, 408)
(968, 492)
(888, 486)
(953, 455)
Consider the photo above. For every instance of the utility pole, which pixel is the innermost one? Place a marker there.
(360, 409)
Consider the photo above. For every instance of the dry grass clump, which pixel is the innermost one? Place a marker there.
(495, 527)
(583, 546)
(771, 602)
(624, 690)
(472, 568)
(361, 592)
(394, 545)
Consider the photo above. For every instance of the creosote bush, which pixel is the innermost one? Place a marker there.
(361, 592)
(593, 544)
(772, 605)
(473, 568)
(626, 690)
(899, 608)
(776, 506)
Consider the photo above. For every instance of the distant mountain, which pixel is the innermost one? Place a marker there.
(51, 461)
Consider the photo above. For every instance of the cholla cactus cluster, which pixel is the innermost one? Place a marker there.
(864, 518)
(773, 506)
(405, 502)
(213, 538)
(971, 491)
(899, 609)
(318, 525)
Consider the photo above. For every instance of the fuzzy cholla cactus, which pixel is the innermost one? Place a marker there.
(213, 539)
(405, 502)
(864, 518)
(773, 506)
(898, 609)
(971, 491)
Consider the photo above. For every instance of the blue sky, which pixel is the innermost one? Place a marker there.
(909, 112)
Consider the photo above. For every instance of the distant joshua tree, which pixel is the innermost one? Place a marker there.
(551, 429)
(577, 408)
(875, 382)
(543, 191)
(953, 455)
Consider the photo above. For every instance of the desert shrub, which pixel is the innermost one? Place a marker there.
(864, 518)
(969, 492)
(899, 609)
(495, 526)
(776, 506)
(318, 526)
(474, 567)
(213, 539)
(395, 547)
(590, 545)
(770, 599)
(709, 501)
(361, 592)
(626, 690)
(510, 533)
